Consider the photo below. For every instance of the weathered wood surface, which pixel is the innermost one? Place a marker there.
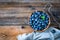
(15, 15)
(31, 1)
(11, 32)
(12, 13)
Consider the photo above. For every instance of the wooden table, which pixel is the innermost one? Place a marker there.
(20, 10)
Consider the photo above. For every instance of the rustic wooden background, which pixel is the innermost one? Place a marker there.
(16, 12)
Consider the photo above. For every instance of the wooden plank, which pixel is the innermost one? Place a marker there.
(16, 13)
(11, 32)
(31, 1)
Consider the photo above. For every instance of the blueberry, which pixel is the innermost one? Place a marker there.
(53, 31)
(39, 20)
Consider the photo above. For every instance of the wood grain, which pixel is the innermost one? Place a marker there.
(11, 32)
(16, 11)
